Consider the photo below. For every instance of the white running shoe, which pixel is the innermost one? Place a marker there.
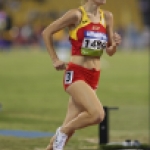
(58, 129)
(60, 140)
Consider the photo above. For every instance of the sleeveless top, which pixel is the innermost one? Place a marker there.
(88, 38)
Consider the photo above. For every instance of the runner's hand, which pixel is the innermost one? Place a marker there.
(111, 49)
(117, 38)
(59, 65)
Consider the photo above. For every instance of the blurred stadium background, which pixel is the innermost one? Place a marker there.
(26, 19)
(31, 93)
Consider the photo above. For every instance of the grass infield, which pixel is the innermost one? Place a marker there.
(32, 98)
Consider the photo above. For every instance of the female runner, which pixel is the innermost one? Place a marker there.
(90, 34)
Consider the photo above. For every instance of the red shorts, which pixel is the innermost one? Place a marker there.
(75, 72)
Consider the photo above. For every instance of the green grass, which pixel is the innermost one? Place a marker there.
(33, 98)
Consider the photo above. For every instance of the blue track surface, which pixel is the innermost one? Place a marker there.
(26, 134)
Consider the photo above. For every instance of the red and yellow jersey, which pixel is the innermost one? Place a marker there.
(89, 38)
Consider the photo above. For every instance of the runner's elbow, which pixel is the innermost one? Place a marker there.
(46, 33)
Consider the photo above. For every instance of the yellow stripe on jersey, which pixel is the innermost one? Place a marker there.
(84, 21)
(102, 19)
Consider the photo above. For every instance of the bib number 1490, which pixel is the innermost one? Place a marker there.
(94, 44)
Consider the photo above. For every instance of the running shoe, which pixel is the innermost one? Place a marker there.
(60, 140)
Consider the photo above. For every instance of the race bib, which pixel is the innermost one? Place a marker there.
(68, 77)
(93, 43)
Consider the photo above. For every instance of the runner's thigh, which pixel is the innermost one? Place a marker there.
(85, 97)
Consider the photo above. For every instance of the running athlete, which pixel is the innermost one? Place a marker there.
(90, 34)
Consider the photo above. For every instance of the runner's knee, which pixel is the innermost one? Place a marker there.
(98, 116)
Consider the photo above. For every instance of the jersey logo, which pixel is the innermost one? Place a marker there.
(94, 34)
(95, 28)
(84, 21)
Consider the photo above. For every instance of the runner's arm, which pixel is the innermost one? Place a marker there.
(68, 19)
(111, 49)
